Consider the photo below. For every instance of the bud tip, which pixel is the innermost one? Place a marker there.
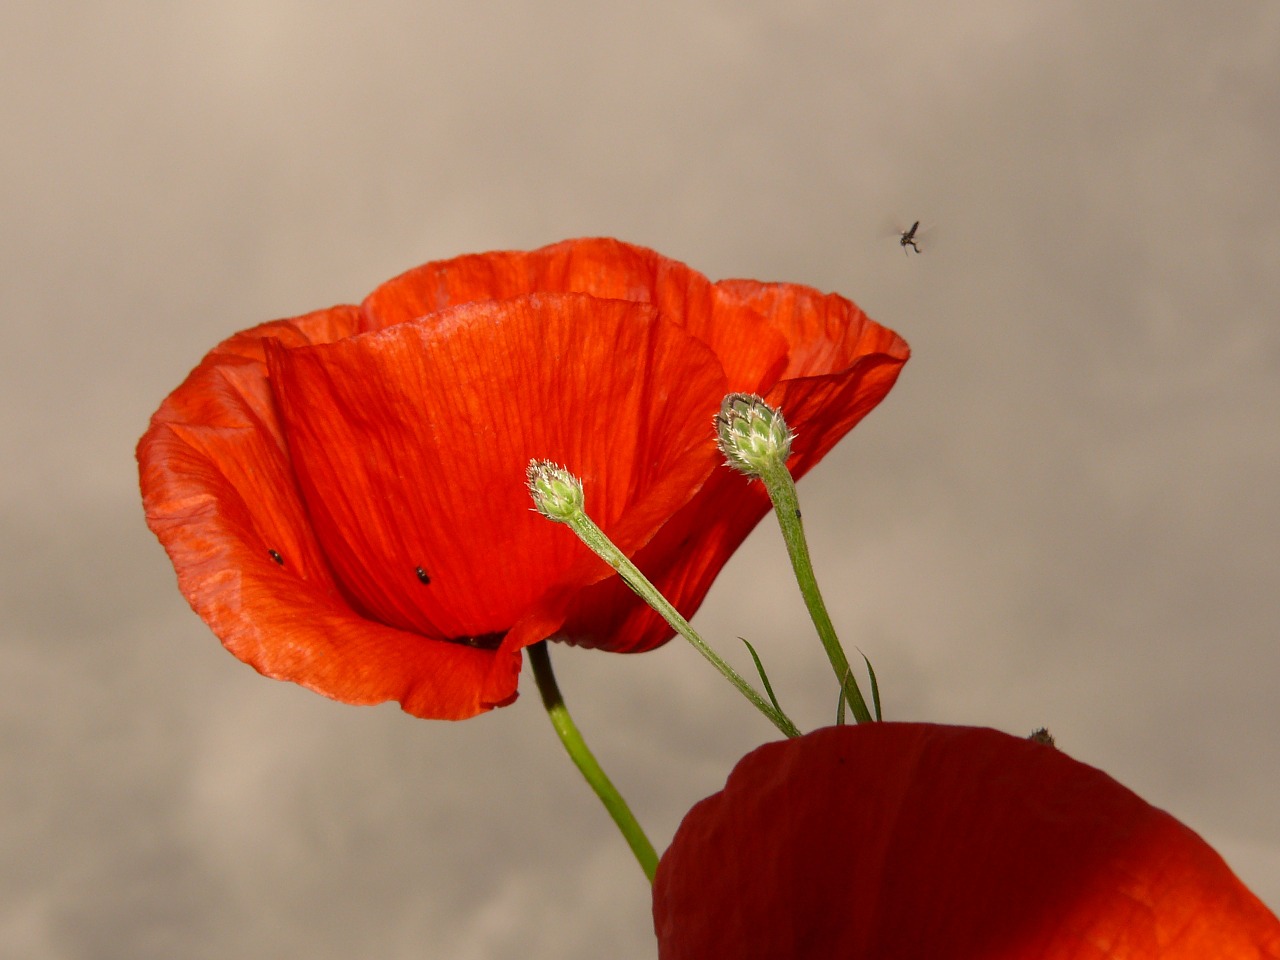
(752, 435)
(557, 493)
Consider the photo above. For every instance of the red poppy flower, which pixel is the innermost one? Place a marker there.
(918, 840)
(342, 493)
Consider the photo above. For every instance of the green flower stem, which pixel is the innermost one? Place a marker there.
(786, 506)
(586, 762)
(594, 537)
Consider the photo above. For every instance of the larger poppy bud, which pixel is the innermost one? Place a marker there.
(919, 840)
(342, 493)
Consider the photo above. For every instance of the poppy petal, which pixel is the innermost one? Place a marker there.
(847, 364)
(410, 445)
(919, 840)
(750, 349)
(220, 495)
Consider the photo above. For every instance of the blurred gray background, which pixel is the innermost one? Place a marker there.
(1066, 512)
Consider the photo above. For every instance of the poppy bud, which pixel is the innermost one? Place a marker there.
(557, 493)
(752, 435)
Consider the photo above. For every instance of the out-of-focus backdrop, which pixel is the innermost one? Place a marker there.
(1065, 514)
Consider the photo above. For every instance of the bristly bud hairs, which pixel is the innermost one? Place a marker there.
(557, 493)
(752, 435)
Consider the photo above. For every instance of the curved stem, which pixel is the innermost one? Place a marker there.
(586, 762)
(595, 538)
(786, 506)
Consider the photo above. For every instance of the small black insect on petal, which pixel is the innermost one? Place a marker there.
(422, 574)
(276, 557)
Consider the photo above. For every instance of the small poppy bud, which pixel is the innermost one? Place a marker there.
(1042, 735)
(557, 493)
(752, 435)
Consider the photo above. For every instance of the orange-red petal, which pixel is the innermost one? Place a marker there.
(749, 347)
(840, 365)
(411, 443)
(918, 840)
(219, 493)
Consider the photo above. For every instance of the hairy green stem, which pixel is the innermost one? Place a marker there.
(786, 506)
(594, 537)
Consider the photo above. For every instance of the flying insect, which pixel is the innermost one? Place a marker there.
(907, 238)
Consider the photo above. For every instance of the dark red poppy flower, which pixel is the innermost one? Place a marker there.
(917, 840)
(342, 493)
